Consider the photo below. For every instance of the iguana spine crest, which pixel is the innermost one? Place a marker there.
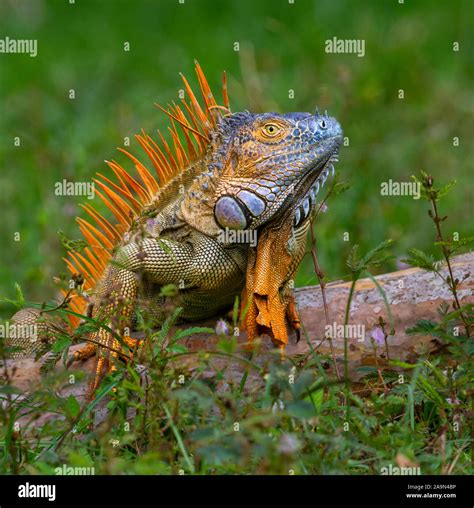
(130, 194)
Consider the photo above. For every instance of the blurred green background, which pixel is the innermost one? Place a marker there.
(408, 46)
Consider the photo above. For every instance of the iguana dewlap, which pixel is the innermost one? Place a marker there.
(176, 218)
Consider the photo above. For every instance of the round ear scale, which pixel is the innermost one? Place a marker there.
(229, 213)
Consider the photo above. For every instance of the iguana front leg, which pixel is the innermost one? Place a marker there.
(162, 262)
(198, 262)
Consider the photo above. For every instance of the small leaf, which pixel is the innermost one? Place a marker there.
(227, 345)
(72, 406)
(235, 311)
(61, 344)
(316, 397)
(353, 261)
(20, 299)
(367, 369)
(9, 389)
(302, 383)
(422, 326)
(371, 256)
(455, 246)
(168, 250)
(429, 391)
(300, 409)
(445, 189)
(438, 373)
(192, 331)
(71, 245)
(166, 326)
(169, 290)
(403, 365)
(420, 259)
(50, 362)
(19, 295)
(177, 348)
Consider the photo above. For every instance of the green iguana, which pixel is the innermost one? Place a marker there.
(224, 173)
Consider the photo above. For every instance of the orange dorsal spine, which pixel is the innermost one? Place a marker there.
(132, 191)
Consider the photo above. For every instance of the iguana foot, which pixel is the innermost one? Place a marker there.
(103, 364)
(102, 367)
(82, 354)
(134, 346)
(90, 350)
(106, 364)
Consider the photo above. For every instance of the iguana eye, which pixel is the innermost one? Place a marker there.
(270, 129)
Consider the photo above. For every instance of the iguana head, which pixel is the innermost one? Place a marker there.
(269, 163)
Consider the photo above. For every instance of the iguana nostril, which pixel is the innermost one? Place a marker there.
(229, 213)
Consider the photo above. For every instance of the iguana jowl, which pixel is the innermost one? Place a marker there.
(232, 172)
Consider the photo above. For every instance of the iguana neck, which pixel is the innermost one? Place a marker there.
(197, 206)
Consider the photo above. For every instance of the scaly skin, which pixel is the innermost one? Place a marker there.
(260, 172)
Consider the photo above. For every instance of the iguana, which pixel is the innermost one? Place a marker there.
(224, 172)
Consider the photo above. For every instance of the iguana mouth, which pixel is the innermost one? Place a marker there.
(311, 184)
(325, 168)
(317, 173)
